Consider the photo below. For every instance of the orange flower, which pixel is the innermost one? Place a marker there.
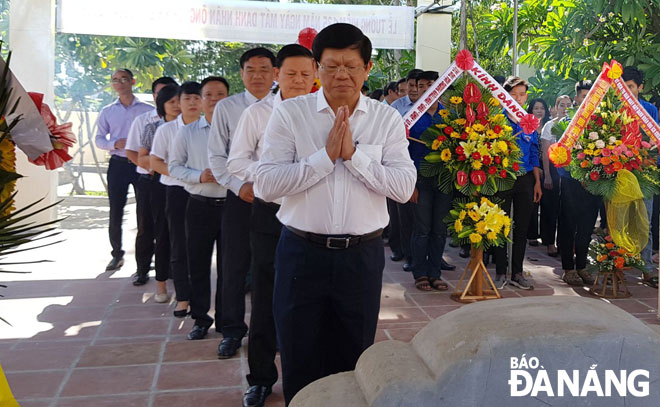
(602, 257)
(618, 166)
(605, 161)
(615, 157)
(622, 251)
(619, 262)
(584, 164)
(610, 245)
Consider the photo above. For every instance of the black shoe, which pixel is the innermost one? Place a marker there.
(396, 257)
(228, 347)
(465, 252)
(198, 332)
(115, 264)
(408, 266)
(446, 266)
(255, 396)
(533, 242)
(182, 313)
(140, 279)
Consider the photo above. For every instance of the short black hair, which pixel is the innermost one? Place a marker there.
(290, 51)
(499, 79)
(513, 81)
(365, 86)
(655, 99)
(126, 70)
(583, 85)
(257, 52)
(400, 81)
(163, 80)
(376, 94)
(392, 86)
(165, 94)
(631, 73)
(546, 115)
(413, 74)
(215, 79)
(428, 75)
(342, 36)
(190, 88)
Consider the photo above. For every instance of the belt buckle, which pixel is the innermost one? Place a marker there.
(329, 241)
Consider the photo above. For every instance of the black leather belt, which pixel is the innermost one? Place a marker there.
(336, 241)
(271, 205)
(151, 177)
(209, 200)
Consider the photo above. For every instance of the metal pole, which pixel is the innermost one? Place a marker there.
(514, 57)
(462, 44)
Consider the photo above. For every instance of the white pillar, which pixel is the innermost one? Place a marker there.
(32, 41)
(433, 49)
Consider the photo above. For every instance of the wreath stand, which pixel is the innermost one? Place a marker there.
(613, 285)
(480, 286)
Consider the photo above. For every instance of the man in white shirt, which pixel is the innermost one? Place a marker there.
(189, 163)
(257, 73)
(144, 239)
(295, 73)
(332, 157)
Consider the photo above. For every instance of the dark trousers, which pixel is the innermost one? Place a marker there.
(654, 221)
(161, 230)
(235, 265)
(533, 228)
(262, 343)
(578, 214)
(175, 210)
(121, 173)
(326, 305)
(401, 225)
(429, 229)
(144, 240)
(203, 232)
(522, 198)
(550, 212)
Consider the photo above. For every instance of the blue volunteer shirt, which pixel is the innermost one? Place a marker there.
(418, 150)
(652, 111)
(529, 146)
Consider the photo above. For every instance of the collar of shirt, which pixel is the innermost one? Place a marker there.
(250, 97)
(202, 122)
(135, 101)
(322, 103)
(277, 99)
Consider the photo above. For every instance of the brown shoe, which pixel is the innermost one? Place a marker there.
(587, 277)
(571, 277)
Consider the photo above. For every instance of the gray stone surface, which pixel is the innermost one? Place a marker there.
(464, 357)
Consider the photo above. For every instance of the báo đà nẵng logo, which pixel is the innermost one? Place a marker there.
(530, 378)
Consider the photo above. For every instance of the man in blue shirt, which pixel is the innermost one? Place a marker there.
(525, 192)
(430, 206)
(634, 79)
(404, 104)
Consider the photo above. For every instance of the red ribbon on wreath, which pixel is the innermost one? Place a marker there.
(61, 136)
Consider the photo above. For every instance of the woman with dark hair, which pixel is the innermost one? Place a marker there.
(167, 106)
(539, 108)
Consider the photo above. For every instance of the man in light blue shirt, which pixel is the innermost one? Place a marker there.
(113, 126)
(405, 103)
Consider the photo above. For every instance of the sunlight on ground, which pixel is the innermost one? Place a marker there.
(23, 315)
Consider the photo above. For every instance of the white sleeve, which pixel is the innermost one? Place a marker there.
(241, 161)
(160, 144)
(179, 158)
(546, 132)
(218, 150)
(133, 141)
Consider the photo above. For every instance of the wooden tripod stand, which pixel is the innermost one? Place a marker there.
(480, 286)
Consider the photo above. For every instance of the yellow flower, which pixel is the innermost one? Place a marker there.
(445, 155)
(494, 102)
(481, 227)
(498, 117)
(478, 127)
(505, 162)
(486, 201)
(474, 136)
(491, 134)
(444, 113)
(589, 151)
(476, 165)
(597, 152)
(462, 215)
(436, 144)
(457, 100)
(618, 142)
(441, 125)
(508, 129)
(591, 146)
(458, 225)
(507, 229)
(474, 215)
(460, 122)
(491, 236)
(470, 205)
(475, 238)
(455, 135)
(502, 146)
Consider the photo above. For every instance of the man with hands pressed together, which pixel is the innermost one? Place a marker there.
(332, 157)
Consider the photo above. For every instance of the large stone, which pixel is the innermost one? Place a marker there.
(464, 358)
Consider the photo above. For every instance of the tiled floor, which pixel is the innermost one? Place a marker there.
(83, 337)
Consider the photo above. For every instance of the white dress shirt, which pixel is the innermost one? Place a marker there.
(346, 197)
(135, 132)
(247, 143)
(189, 157)
(226, 114)
(161, 146)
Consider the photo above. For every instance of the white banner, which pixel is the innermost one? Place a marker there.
(233, 21)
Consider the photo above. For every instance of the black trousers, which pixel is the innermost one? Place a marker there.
(522, 197)
(161, 230)
(235, 265)
(144, 240)
(578, 214)
(262, 343)
(203, 232)
(550, 211)
(401, 225)
(175, 210)
(326, 305)
(121, 174)
(533, 228)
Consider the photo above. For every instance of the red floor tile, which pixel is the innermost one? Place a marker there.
(188, 351)
(106, 401)
(213, 374)
(142, 311)
(39, 359)
(109, 380)
(135, 327)
(35, 385)
(216, 398)
(121, 354)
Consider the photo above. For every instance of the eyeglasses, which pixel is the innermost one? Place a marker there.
(121, 80)
(333, 69)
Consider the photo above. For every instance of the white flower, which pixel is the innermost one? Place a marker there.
(585, 43)
(610, 14)
(593, 136)
(612, 140)
(577, 30)
(578, 146)
(600, 144)
(602, 19)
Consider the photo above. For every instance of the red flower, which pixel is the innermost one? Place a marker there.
(609, 169)
(498, 160)
(482, 110)
(471, 93)
(484, 121)
(503, 174)
(478, 177)
(486, 160)
(464, 60)
(442, 138)
(462, 157)
(459, 150)
(476, 156)
(469, 115)
(461, 178)
(516, 166)
(529, 123)
(492, 170)
(448, 130)
(497, 129)
(464, 136)
(599, 121)
(594, 175)
(628, 166)
(614, 253)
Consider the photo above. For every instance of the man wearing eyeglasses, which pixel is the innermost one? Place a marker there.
(113, 126)
(332, 157)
